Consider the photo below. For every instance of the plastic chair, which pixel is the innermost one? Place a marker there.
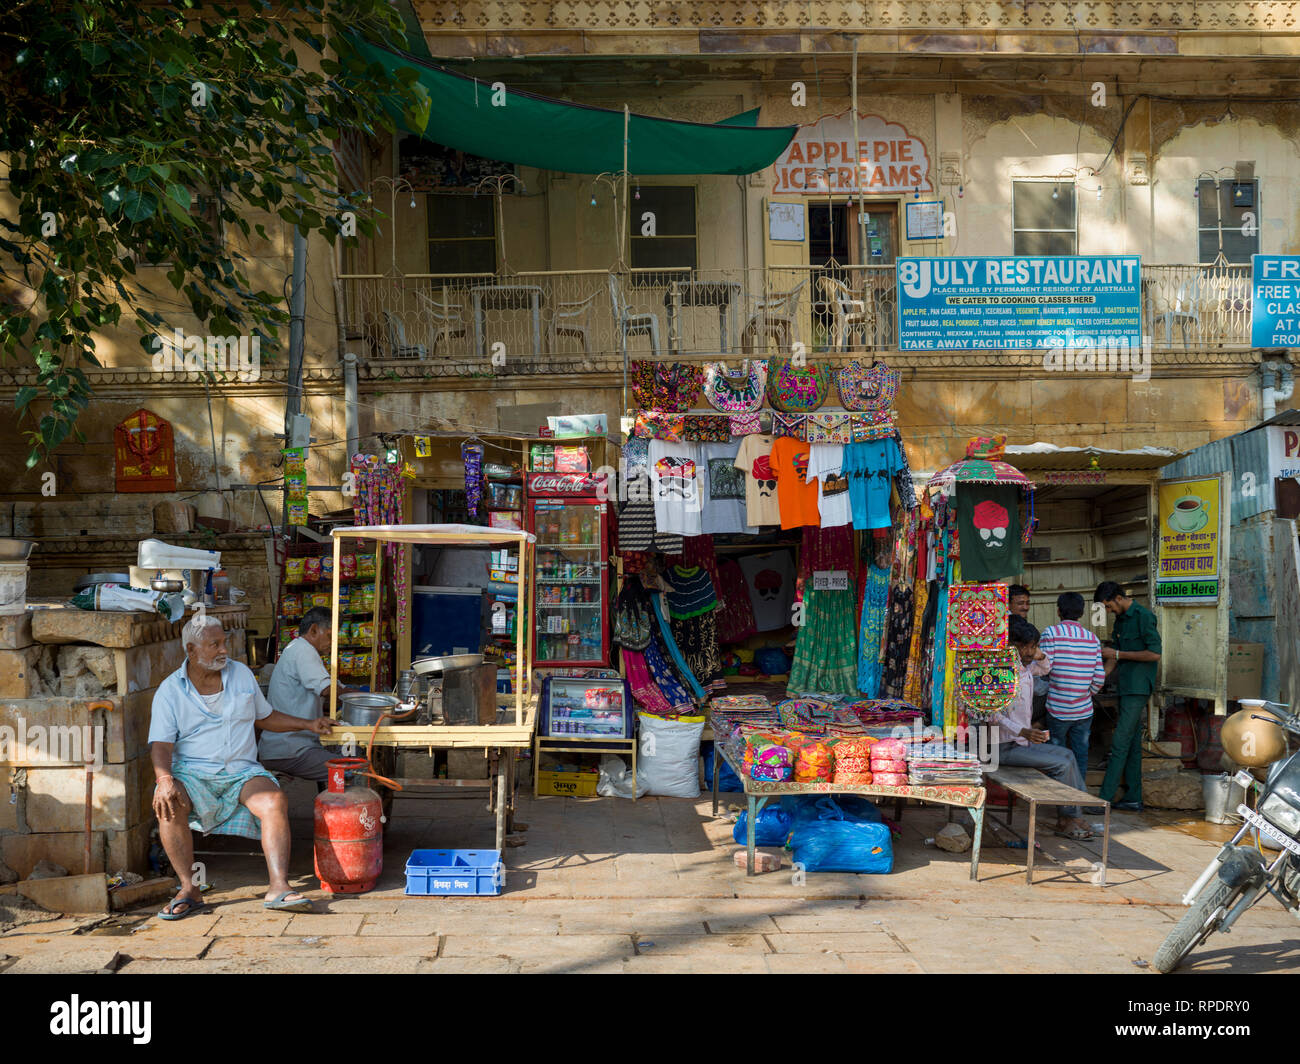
(574, 319)
(1186, 309)
(850, 315)
(397, 345)
(630, 324)
(445, 318)
(773, 317)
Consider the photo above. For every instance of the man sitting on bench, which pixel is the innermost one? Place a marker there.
(1019, 743)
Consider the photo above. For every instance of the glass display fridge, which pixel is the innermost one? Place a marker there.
(566, 513)
(574, 708)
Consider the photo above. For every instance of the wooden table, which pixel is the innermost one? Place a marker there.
(1033, 786)
(760, 792)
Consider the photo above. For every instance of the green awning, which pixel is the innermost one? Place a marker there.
(573, 138)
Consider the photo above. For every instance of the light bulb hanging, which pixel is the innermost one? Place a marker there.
(1056, 194)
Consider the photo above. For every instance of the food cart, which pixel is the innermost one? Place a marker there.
(511, 731)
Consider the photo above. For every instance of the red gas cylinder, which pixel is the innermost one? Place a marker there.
(349, 833)
(1181, 728)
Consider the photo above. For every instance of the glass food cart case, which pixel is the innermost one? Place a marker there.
(510, 732)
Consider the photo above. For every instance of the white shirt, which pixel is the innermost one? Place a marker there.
(220, 741)
(297, 682)
(677, 485)
(826, 466)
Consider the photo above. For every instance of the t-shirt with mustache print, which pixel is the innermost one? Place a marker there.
(754, 460)
(675, 485)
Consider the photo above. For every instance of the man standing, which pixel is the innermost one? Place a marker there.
(1018, 601)
(299, 680)
(1077, 674)
(203, 746)
(1133, 656)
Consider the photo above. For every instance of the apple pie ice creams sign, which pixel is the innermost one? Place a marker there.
(821, 159)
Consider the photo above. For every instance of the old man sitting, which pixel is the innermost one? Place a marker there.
(204, 748)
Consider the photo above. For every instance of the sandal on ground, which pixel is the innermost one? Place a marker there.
(1078, 834)
(192, 906)
(279, 904)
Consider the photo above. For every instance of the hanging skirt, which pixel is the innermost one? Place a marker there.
(697, 638)
(914, 684)
(898, 642)
(826, 647)
(735, 612)
(672, 653)
(665, 680)
(875, 603)
(644, 691)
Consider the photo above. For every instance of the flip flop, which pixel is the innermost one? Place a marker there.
(1076, 834)
(302, 905)
(191, 907)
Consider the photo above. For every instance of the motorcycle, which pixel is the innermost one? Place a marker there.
(1239, 876)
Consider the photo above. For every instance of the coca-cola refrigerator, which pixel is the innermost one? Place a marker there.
(569, 515)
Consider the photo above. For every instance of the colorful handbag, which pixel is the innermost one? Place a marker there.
(797, 390)
(877, 425)
(735, 393)
(793, 425)
(986, 681)
(706, 428)
(867, 387)
(671, 387)
(829, 428)
(745, 424)
(977, 616)
(668, 427)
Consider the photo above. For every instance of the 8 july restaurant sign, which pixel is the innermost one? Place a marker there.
(1067, 302)
(820, 159)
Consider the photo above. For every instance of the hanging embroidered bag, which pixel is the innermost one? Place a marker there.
(829, 428)
(986, 681)
(632, 629)
(867, 388)
(671, 387)
(977, 616)
(797, 390)
(735, 393)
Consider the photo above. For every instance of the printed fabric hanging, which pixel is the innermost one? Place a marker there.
(378, 501)
(988, 529)
(978, 616)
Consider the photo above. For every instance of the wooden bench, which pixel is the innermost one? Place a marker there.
(1034, 787)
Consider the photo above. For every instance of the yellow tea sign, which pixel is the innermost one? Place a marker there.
(1188, 560)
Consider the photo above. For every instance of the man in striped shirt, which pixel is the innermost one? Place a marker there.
(1077, 674)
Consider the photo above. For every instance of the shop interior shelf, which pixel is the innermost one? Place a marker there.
(1093, 559)
(568, 546)
(568, 580)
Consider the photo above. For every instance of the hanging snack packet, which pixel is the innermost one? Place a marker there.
(348, 566)
(311, 570)
(366, 564)
(295, 570)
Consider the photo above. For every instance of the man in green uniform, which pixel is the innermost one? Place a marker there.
(1133, 654)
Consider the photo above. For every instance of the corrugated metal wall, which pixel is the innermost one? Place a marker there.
(1246, 452)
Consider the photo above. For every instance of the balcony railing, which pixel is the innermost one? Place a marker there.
(589, 321)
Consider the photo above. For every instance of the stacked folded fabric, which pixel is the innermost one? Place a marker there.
(874, 712)
(936, 764)
(888, 763)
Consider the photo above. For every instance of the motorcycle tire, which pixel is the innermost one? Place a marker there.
(1202, 919)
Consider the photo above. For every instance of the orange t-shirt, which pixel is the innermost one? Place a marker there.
(796, 497)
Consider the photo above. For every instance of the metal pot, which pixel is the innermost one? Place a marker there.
(364, 709)
(446, 663)
(161, 583)
(94, 579)
(15, 550)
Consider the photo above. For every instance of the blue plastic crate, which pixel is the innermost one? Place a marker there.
(477, 872)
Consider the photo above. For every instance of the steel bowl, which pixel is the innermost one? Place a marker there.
(363, 709)
(446, 663)
(161, 583)
(15, 550)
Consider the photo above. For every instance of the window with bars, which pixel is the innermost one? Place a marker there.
(1227, 220)
(1043, 218)
(674, 244)
(462, 233)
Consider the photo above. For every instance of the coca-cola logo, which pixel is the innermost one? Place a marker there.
(563, 483)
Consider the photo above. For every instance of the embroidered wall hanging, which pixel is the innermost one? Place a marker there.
(986, 681)
(978, 616)
(144, 453)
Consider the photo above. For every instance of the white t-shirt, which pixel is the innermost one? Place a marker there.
(826, 466)
(724, 489)
(761, 507)
(677, 486)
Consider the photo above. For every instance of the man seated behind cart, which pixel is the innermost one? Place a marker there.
(203, 746)
(299, 680)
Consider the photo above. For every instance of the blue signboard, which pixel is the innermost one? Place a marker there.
(1275, 306)
(966, 303)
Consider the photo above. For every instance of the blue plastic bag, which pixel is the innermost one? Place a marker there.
(843, 846)
(807, 807)
(772, 661)
(727, 779)
(771, 827)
